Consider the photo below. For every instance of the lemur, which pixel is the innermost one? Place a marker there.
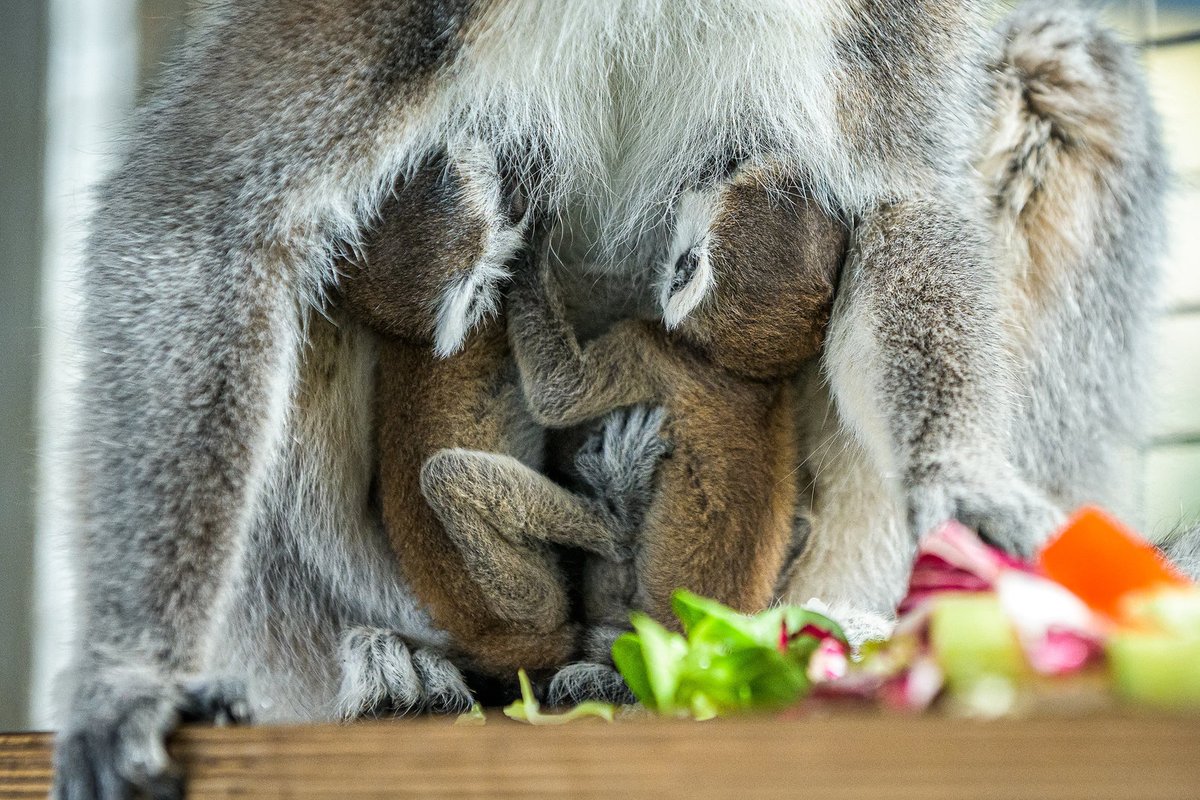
(745, 299)
(723, 513)
(1003, 189)
(469, 516)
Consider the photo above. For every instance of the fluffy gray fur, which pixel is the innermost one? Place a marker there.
(1074, 177)
(221, 448)
(1184, 551)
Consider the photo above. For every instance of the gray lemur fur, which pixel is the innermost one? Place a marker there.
(1074, 173)
(222, 449)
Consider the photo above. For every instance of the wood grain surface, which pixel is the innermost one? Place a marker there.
(881, 758)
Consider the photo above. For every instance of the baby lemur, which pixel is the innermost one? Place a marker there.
(746, 297)
(471, 527)
(466, 511)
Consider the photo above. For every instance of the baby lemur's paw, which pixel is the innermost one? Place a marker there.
(383, 675)
(1008, 513)
(579, 683)
(619, 460)
(593, 679)
(113, 743)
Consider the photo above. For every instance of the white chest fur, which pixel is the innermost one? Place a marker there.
(630, 101)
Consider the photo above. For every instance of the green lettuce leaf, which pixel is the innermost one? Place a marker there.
(728, 662)
(527, 709)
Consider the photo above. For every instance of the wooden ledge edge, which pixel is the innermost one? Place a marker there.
(837, 756)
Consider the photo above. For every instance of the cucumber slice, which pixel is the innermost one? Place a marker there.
(1161, 669)
(972, 639)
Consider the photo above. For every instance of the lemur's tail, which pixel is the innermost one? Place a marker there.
(1073, 158)
(1076, 177)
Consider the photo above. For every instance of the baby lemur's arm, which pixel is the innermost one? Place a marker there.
(566, 384)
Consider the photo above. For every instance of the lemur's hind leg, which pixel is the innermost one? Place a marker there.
(502, 515)
(383, 674)
(1077, 174)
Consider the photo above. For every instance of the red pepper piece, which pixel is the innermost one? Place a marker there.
(1103, 562)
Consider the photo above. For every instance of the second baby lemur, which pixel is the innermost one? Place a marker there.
(745, 300)
(467, 513)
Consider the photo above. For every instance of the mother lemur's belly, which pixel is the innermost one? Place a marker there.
(607, 114)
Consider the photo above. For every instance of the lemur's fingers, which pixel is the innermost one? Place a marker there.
(221, 701)
(383, 675)
(1005, 511)
(114, 744)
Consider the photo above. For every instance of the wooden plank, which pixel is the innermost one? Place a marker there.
(24, 765)
(882, 758)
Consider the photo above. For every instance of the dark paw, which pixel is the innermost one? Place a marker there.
(619, 462)
(383, 676)
(113, 744)
(579, 683)
(220, 701)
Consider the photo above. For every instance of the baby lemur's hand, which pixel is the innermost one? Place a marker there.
(619, 460)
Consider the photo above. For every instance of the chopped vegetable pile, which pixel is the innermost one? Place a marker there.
(1098, 614)
(728, 662)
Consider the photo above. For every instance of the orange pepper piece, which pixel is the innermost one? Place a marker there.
(1103, 562)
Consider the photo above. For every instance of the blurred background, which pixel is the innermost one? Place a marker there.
(72, 70)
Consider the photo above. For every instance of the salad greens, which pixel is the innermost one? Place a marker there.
(725, 662)
(527, 709)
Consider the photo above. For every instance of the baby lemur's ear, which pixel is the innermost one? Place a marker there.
(688, 276)
(472, 295)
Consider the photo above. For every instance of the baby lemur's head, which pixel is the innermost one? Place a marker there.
(752, 272)
(435, 266)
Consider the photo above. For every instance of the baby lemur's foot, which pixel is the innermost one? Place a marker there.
(594, 679)
(384, 675)
(579, 683)
(618, 462)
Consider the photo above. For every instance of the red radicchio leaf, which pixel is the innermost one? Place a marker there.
(1060, 652)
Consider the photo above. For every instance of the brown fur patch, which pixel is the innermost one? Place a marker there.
(776, 256)
(722, 517)
(423, 404)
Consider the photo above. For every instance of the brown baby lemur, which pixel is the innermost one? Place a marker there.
(746, 297)
(469, 517)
